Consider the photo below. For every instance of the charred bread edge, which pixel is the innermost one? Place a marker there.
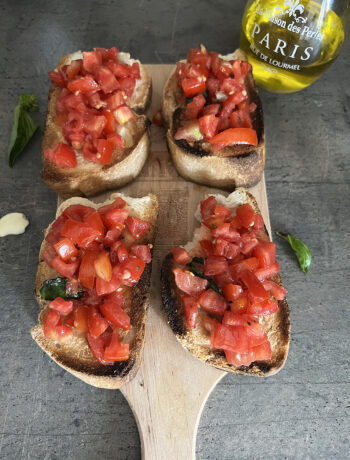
(277, 326)
(89, 179)
(246, 165)
(94, 373)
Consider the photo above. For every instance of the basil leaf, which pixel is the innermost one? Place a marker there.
(23, 128)
(198, 273)
(56, 287)
(299, 247)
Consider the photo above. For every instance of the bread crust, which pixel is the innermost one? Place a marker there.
(228, 168)
(88, 178)
(75, 355)
(197, 342)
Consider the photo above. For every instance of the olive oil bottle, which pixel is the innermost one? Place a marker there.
(290, 43)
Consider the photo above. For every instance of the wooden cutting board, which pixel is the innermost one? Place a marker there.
(169, 392)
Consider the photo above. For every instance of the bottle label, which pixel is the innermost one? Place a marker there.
(286, 37)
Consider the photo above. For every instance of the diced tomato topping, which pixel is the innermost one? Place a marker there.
(116, 351)
(189, 283)
(107, 287)
(61, 155)
(57, 77)
(106, 80)
(208, 124)
(265, 273)
(232, 291)
(123, 114)
(215, 265)
(98, 345)
(66, 249)
(211, 109)
(246, 215)
(240, 304)
(190, 306)
(250, 264)
(87, 273)
(113, 311)
(241, 319)
(83, 84)
(207, 208)
(116, 140)
(233, 136)
(207, 247)
(78, 212)
(81, 318)
(54, 328)
(95, 221)
(265, 252)
(81, 233)
(62, 306)
(115, 100)
(97, 324)
(137, 227)
(193, 86)
(212, 302)
(194, 107)
(142, 251)
(275, 289)
(226, 232)
(103, 266)
(65, 269)
(131, 270)
(114, 217)
(112, 235)
(91, 60)
(181, 256)
(254, 286)
(267, 307)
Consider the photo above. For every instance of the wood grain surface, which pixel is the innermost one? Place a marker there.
(169, 392)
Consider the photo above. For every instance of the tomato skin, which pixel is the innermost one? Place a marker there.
(232, 136)
(180, 255)
(97, 324)
(131, 270)
(81, 318)
(137, 227)
(190, 306)
(192, 86)
(265, 252)
(232, 291)
(276, 290)
(87, 272)
(113, 311)
(215, 265)
(66, 249)
(65, 269)
(61, 155)
(212, 302)
(98, 345)
(62, 306)
(80, 233)
(116, 351)
(188, 283)
(142, 251)
(83, 84)
(254, 286)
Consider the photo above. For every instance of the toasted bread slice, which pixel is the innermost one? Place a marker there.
(231, 167)
(88, 178)
(197, 341)
(75, 355)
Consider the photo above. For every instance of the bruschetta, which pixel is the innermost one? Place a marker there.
(92, 285)
(95, 137)
(215, 120)
(222, 292)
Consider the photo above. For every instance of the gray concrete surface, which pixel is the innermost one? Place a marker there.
(303, 412)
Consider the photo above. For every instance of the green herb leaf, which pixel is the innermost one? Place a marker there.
(56, 287)
(299, 247)
(193, 269)
(23, 128)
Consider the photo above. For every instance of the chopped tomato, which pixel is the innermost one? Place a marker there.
(81, 318)
(246, 215)
(61, 155)
(264, 273)
(211, 109)
(258, 222)
(62, 306)
(240, 304)
(137, 227)
(242, 319)
(226, 232)
(189, 283)
(276, 290)
(212, 302)
(110, 124)
(91, 60)
(215, 265)
(107, 287)
(250, 264)
(65, 269)
(190, 132)
(106, 80)
(115, 100)
(265, 252)
(120, 249)
(87, 272)
(142, 251)
(190, 306)
(57, 77)
(267, 307)
(103, 266)
(193, 86)
(232, 136)
(180, 255)
(95, 221)
(83, 84)
(114, 217)
(97, 324)
(261, 352)
(127, 85)
(131, 270)
(78, 212)
(81, 233)
(117, 203)
(238, 359)
(254, 286)
(112, 235)
(232, 291)
(207, 247)
(98, 345)
(66, 249)
(207, 207)
(208, 124)
(117, 140)
(54, 328)
(123, 114)
(105, 149)
(116, 351)
(194, 107)
(115, 314)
